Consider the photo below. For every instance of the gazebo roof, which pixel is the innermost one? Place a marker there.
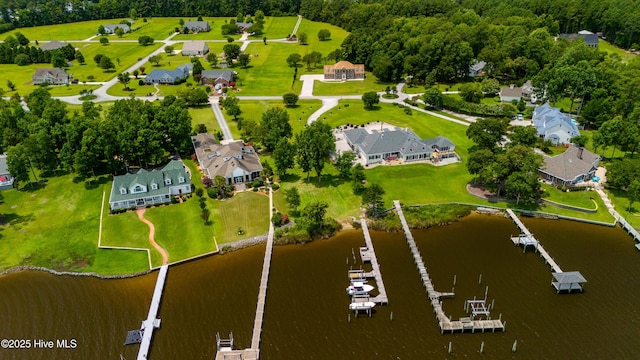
(569, 277)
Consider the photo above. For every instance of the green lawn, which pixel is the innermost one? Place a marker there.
(246, 210)
(614, 50)
(75, 31)
(278, 27)
(416, 89)
(298, 115)
(204, 115)
(214, 34)
(484, 100)
(583, 199)
(354, 87)
(311, 28)
(25, 87)
(268, 73)
(449, 86)
(56, 226)
(621, 203)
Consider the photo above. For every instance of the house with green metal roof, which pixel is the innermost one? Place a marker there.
(146, 187)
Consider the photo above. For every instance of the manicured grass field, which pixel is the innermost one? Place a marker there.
(621, 203)
(128, 53)
(416, 89)
(246, 210)
(278, 27)
(214, 34)
(353, 87)
(298, 115)
(76, 31)
(311, 28)
(204, 115)
(268, 73)
(56, 226)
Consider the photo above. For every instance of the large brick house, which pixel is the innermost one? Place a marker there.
(344, 70)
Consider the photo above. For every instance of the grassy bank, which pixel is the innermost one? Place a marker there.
(422, 217)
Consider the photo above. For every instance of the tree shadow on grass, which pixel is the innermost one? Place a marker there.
(14, 219)
(325, 181)
(95, 183)
(374, 108)
(290, 178)
(34, 185)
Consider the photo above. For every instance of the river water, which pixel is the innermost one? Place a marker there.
(306, 313)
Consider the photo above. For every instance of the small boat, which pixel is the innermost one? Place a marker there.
(359, 288)
(362, 305)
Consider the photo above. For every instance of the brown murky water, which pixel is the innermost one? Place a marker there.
(306, 312)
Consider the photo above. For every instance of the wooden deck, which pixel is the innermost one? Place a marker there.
(246, 354)
(446, 324)
(531, 240)
(152, 322)
(370, 253)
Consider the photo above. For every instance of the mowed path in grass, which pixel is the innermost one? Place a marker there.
(152, 241)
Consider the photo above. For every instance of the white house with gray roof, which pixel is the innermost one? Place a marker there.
(111, 28)
(53, 76)
(399, 144)
(235, 161)
(553, 125)
(149, 187)
(197, 26)
(194, 48)
(572, 167)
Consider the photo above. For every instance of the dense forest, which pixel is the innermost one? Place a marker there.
(618, 20)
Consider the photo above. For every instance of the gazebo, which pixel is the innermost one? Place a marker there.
(568, 281)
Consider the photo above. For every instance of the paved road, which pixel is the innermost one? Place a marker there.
(224, 127)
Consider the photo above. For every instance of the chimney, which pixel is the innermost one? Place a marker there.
(580, 150)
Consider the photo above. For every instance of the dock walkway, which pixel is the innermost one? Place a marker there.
(445, 323)
(152, 322)
(539, 248)
(381, 298)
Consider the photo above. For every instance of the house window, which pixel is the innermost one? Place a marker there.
(167, 181)
(180, 180)
(137, 189)
(123, 191)
(154, 186)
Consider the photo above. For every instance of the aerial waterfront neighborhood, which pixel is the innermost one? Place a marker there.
(234, 168)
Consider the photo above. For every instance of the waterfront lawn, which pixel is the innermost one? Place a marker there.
(204, 115)
(621, 203)
(246, 210)
(352, 87)
(56, 226)
(268, 73)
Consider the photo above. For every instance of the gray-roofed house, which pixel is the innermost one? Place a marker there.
(149, 187)
(197, 26)
(572, 167)
(53, 45)
(6, 180)
(477, 68)
(508, 94)
(590, 39)
(236, 162)
(163, 76)
(195, 48)
(53, 76)
(223, 78)
(243, 26)
(553, 125)
(111, 28)
(399, 144)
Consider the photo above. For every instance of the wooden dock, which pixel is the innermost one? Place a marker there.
(445, 323)
(528, 239)
(152, 322)
(370, 254)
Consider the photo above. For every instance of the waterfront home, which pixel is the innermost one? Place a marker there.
(572, 167)
(235, 161)
(146, 187)
(375, 146)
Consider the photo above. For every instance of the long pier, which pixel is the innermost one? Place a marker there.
(370, 255)
(253, 353)
(152, 322)
(538, 247)
(445, 323)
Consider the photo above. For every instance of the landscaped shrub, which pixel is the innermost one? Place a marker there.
(141, 82)
(212, 192)
(275, 186)
(174, 200)
(199, 192)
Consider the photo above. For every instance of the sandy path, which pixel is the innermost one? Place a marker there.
(163, 252)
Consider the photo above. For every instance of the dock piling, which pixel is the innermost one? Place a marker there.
(454, 279)
(481, 347)
(480, 279)
(450, 348)
(515, 346)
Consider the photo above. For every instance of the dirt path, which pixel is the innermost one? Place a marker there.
(163, 252)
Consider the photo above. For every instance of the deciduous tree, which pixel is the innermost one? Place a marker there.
(370, 99)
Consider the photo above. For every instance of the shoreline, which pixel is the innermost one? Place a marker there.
(259, 239)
